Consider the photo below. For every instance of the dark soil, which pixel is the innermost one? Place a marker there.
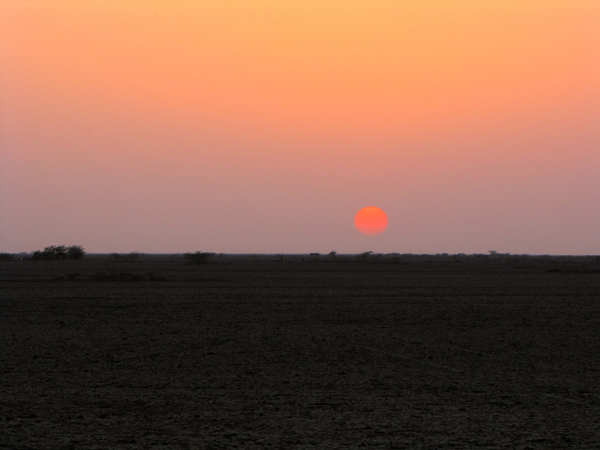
(407, 352)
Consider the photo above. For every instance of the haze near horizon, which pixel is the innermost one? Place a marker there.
(265, 126)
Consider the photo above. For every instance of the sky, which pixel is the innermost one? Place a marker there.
(264, 126)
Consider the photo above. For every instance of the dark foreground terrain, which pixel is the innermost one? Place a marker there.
(406, 352)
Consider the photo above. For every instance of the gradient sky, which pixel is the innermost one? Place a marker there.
(250, 126)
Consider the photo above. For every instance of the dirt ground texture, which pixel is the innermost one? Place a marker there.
(409, 352)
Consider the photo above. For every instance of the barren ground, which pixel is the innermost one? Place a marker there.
(407, 352)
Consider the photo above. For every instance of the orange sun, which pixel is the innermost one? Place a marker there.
(371, 220)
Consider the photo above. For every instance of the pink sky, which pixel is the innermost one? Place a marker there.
(264, 126)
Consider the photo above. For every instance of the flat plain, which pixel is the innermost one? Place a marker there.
(301, 351)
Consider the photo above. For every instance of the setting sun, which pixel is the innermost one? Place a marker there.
(371, 221)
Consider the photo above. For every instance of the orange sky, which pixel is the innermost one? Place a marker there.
(264, 126)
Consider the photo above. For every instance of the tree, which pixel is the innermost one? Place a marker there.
(75, 252)
(60, 252)
(47, 253)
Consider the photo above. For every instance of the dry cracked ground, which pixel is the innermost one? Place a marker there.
(409, 352)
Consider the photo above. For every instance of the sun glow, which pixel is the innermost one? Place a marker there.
(371, 221)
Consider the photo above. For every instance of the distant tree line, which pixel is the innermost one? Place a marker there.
(55, 252)
(132, 255)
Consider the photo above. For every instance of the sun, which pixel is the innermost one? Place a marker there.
(371, 221)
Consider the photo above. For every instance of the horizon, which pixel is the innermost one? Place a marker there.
(330, 254)
(263, 127)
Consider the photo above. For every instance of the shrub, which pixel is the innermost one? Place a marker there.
(6, 257)
(198, 257)
(363, 256)
(47, 253)
(75, 252)
(59, 252)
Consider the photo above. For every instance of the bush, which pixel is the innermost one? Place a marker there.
(59, 252)
(6, 257)
(75, 252)
(198, 257)
(363, 256)
(47, 253)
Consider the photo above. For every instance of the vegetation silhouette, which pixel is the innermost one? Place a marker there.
(59, 252)
(198, 257)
